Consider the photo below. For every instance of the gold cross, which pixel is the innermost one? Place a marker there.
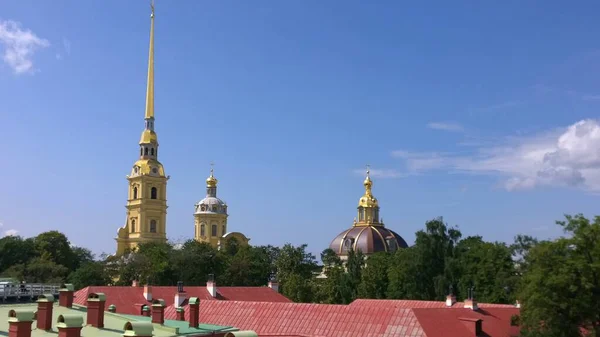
(368, 169)
(152, 7)
(212, 164)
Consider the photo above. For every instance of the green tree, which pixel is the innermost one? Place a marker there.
(488, 267)
(560, 288)
(250, 266)
(54, 246)
(374, 278)
(89, 274)
(195, 261)
(43, 270)
(14, 250)
(295, 272)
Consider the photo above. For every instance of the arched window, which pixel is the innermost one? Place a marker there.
(146, 151)
(223, 230)
(141, 151)
(135, 192)
(133, 225)
(152, 151)
(153, 193)
(361, 214)
(152, 226)
(213, 230)
(202, 230)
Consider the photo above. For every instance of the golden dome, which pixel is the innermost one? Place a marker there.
(211, 181)
(148, 136)
(148, 167)
(368, 200)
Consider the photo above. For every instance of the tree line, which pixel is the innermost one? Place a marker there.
(556, 281)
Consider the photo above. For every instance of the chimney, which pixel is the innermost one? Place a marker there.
(180, 296)
(69, 325)
(65, 295)
(95, 309)
(517, 304)
(44, 312)
(158, 311)
(112, 308)
(145, 311)
(470, 302)
(135, 283)
(180, 314)
(451, 298)
(148, 292)
(273, 284)
(140, 329)
(473, 324)
(19, 322)
(194, 307)
(211, 286)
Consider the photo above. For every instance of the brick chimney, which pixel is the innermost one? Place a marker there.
(95, 309)
(65, 295)
(273, 284)
(451, 298)
(19, 322)
(145, 311)
(473, 324)
(148, 292)
(69, 325)
(194, 307)
(211, 286)
(140, 329)
(470, 302)
(181, 295)
(44, 312)
(158, 311)
(180, 314)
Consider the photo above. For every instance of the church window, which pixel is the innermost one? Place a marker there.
(146, 151)
(135, 192)
(152, 226)
(213, 230)
(141, 151)
(202, 230)
(152, 151)
(202, 208)
(361, 214)
(153, 193)
(133, 225)
(223, 230)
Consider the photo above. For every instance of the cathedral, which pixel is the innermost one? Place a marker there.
(146, 206)
(368, 234)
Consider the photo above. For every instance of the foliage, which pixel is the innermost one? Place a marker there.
(560, 289)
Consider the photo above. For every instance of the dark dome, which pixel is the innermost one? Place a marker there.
(368, 239)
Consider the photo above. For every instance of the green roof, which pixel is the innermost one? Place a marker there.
(184, 326)
(113, 323)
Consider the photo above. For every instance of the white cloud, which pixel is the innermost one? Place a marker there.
(566, 157)
(383, 173)
(445, 126)
(11, 232)
(19, 46)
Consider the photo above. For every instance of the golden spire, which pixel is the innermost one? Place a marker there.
(150, 87)
(368, 200)
(211, 181)
(368, 183)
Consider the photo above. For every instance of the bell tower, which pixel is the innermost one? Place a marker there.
(210, 215)
(147, 196)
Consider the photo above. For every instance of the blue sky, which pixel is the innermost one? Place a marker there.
(484, 113)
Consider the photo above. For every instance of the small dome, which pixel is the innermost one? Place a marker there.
(211, 205)
(148, 136)
(368, 201)
(211, 181)
(368, 239)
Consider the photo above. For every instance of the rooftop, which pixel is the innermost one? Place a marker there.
(113, 323)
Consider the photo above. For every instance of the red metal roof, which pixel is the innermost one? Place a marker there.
(454, 323)
(308, 319)
(412, 304)
(129, 300)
